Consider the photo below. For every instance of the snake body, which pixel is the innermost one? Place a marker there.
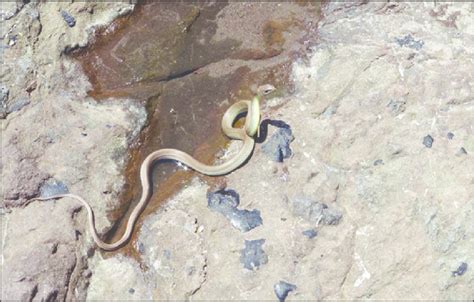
(246, 134)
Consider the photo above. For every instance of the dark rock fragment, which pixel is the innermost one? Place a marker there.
(450, 135)
(253, 256)
(310, 233)
(428, 141)
(409, 42)
(378, 162)
(226, 202)
(278, 145)
(68, 18)
(282, 289)
(462, 268)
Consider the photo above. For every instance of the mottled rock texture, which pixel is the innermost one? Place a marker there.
(381, 114)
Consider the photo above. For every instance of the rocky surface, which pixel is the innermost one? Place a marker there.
(374, 200)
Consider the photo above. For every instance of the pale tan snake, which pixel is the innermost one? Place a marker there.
(246, 134)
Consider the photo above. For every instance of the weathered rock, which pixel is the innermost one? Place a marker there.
(310, 233)
(68, 18)
(428, 141)
(226, 203)
(282, 289)
(278, 145)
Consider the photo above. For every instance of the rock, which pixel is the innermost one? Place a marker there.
(409, 41)
(462, 268)
(461, 152)
(18, 105)
(68, 18)
(253, 256)
(310, 233)
(53, 187)
(378, 162)
(313, 211)
(277, 147)
(450, 135)
(282, 289)
(428, 141)
(226, 202)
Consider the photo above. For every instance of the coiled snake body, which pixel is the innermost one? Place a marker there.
(246, 134)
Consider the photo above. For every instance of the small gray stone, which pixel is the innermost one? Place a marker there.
(131, 290)
(68, 18)
(461, 152)
(428, 141)
(278, 145)
(53, 187)
(313, 211)
(462, 268)
(409, 42)
(226, 202)
(282, 289)
(253, 256)
(378, 162)
(310, 233)
(450, 135)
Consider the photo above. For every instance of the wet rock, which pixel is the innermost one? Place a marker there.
(450, 135)
(53, 187)
(462, 268)
(226, 202)
(68, 18)
(410, 42)
(461, 152)
(313, 211)
(282, 289)
(310, 233)
(18, 105)
(428, 141)
(277, 147)
(253, 256)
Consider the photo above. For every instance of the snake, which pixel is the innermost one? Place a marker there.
(246, 134)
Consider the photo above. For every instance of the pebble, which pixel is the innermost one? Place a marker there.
(277, 147)
(282, 289)
(310, 233)
(450, 135)
(253, 256)
(68, 18)
(409, 42)
(462, 268)
(378, 162)
(226, 202)
(428, 141)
